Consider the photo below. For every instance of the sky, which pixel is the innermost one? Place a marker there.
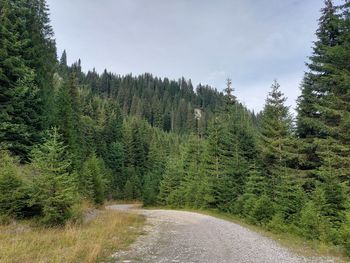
(252, 42)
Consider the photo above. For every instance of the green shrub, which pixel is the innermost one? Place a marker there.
(311, 221)
(345, 235)
(14, 193)
(249, 202)
(76, 213)
(277, 224)
(263, 210)
(244, 205)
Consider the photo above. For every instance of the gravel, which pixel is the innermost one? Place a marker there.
(178, 236)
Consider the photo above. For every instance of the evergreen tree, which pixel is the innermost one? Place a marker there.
(19, 101)
(312, 109)
(173, 176)
(132, 188)
(195, 187)
(93, 179)
(219, 159)
(63, 66)
(68, 117)
(55, 189)
(115, 161)
(275, 131)
(156, 159)
(14, 193)
(40, 53)
(231, 151)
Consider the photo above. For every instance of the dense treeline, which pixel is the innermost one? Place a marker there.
(166, 104)
(283, 175)
(64, 139)
(67, 136)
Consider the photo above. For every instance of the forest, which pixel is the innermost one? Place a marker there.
(67, 136)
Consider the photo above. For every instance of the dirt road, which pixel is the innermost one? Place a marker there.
(178, 236)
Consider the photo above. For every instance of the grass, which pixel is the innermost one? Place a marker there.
(295, 243)
(94, 241)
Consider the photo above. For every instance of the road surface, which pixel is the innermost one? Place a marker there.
(184, 237)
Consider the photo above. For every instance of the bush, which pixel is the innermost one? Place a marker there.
(345, 235)
(263, 210)
(311, 221)
(248, 206)
(13, 191)
(237, 207)
(277, 224)
(76, 213)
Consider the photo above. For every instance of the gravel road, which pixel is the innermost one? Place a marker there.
(178, 236)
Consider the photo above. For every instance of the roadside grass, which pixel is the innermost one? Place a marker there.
(89, 242)
(135, 203)
(295, 243)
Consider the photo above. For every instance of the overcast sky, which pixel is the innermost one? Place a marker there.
(251, 41)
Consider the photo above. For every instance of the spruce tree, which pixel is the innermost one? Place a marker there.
(115, 161)
(40, 53)
(93, 179)
(14, 191)
(230, 152)
(275, 130)
(195, 187)
(171, 182)
(220, 161)
(312, 109)
(55, 190)
(19, 100)
(68, 117)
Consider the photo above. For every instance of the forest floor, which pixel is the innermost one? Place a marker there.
(182, 236)
(102, 233)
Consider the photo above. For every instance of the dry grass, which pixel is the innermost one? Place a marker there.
(90, 242)
(135, 203)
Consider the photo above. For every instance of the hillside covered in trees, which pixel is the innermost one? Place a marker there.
(67, 136)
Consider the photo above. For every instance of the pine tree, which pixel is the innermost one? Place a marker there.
(149, 191)
(195, 187)
(219, 158)
(315, 90)
(171, 182)
(256, 186)
(63, 67)
(275, 131)
(156, 159)
(328, 143)
(14, 193)
(21, 126)
(20, 104)
(63, 60)
(55, 189)
(115, 161)
(231, 150)
(93, 179)
(133, 187)
(40, 53)
(68, 117)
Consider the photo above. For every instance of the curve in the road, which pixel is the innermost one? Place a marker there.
(178, 236)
